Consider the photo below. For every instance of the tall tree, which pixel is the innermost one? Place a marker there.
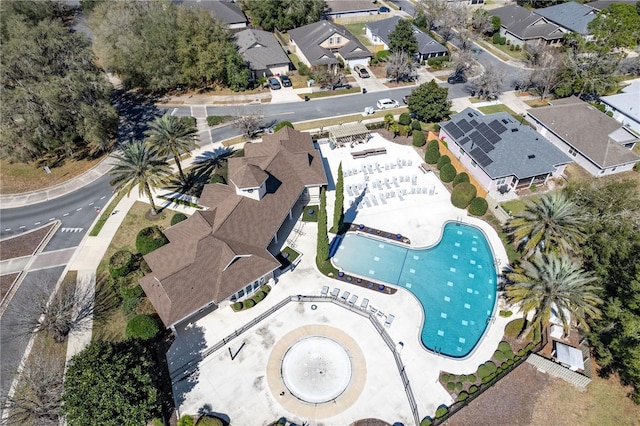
(139, 165)
(111, 384)
(549, 223)
(618, 26)
(283, 14)
(402, 39)
(429, 102)
(238, 72)
(322, 248)
(171, 136)
(552, 282)
(55, 100)
(489, 84)
(338, 211)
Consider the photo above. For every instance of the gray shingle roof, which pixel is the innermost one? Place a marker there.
(502, 146)
(627, 102)
(603, 4)
(591, 132)
(426, 44)
(227, 12)
(571, 15)
(260, 49)
(309, 38)
(345, 6)
(525, 24)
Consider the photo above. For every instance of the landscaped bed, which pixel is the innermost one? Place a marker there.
(25, 244)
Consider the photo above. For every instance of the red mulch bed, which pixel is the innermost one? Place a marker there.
(400, 140)
(23, 245)
(5, 283)
(509, 402)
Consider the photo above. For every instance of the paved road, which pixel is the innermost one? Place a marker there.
(405, 6)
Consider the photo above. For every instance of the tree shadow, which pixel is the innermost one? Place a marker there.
(207, 411)
(135, 111)
(351, 212)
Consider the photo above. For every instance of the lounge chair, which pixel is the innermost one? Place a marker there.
(335, 292)
(389, 320)
(373, 310)
(353, 299)
(364, 304)
(324, 291)
(344, 296)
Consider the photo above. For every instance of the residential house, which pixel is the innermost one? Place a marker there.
(378, 32)
(521, 26)
(226, 11)
(321, 43)
(597, 142)
(501, 152)
(263, 53)
(227, 251)
(571, 16)
(601, 5)
(336, 9)
(625, 106)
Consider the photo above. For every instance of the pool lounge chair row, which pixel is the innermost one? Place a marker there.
(363, 305)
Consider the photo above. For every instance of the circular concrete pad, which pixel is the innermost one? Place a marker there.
(303, 399)
(316, 369)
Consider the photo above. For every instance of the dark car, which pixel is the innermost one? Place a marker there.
(405, 99)
(274, 84)
(456, 78)
(384, 9)
(286, 81)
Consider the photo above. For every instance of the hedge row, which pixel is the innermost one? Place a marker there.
(121, 263)
(252, 301)
(150, 239)
(433, 152)
(463, 194)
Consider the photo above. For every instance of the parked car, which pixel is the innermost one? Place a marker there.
(456, 78)
(387, 103)
(384, 9)
(286, 81)
(362, 71)
(274, 84)
(405, 99)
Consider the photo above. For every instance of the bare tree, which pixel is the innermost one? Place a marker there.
(467, 37)
(428, 11)
(462, 60)
(325, 76)
(248, 122)
(70, 309)
(488, 84)
(523, 80)
(399, 66)
(481, 21)
(38, 397)
(536, 52)
(546, 76)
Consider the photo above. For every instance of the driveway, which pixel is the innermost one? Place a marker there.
(372, 84)
(284, 95)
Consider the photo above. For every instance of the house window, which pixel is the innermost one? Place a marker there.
(474, 164)
(501, 181)
(335, 40)
(256, 285)
(248, 289)
(573, 152)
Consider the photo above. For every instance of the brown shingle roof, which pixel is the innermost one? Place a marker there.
(249, 176)
(588, 130)
(216, 252)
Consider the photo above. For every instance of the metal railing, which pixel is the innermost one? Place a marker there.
(188, 368)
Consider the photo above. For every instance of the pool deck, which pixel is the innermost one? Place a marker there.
(238, 379)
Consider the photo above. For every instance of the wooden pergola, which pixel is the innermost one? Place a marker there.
(351, 133)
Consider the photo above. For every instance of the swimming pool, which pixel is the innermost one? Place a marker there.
(455, 281)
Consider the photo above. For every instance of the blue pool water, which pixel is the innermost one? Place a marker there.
(455, 281)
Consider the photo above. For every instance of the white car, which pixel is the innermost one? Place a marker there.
(387, 103)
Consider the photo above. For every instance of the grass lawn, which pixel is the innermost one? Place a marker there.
(315, 124)
(310, 213)
(513, 206)
(359, 31)
(536, 103)
(23, 177)
(491, 109)
(327, 93)
(104, 215)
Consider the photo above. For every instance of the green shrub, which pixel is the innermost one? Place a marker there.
(459, 385)
(237, 306)
(282, 124)
(150, 239)
(129, 305)
(504, 346)
(281, 421)
(491, 366)
(185, 420)
(442, 411)
(446, 377)
(460, 177)
(518, 48)
(142, 327)
(209, 421)
(498, 355)
(216, 178)
(404, 119)
(473, 389)
(259, 296)
(478, 206)
(442, 161)
(506, 314)
(509, 354)
(503, 41)
(157, 421)
(451, 386)
(128, 290)
(462, 194)
(510, 361)
(521, 352)
(463, 378)
(471, 378)
(433, 144)
(265, 289)
(303, 69)
(382, 55)
(448, 173)
(499, 371)
(177, 218)
(437, 60)
(483, 371)
(487, 379)
(462, 396)
(419, 139)
(432, 155)
(188, 121)
(248, 303)
(415, 125)
(214, 120)
(121, 263)
(427, 421)
(496, 38)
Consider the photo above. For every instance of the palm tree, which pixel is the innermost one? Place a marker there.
(139, 165)
(553, 282)
(172, 136)
(549, 223)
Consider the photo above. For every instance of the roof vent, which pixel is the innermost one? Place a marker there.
(515, 129)
(531, 156)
